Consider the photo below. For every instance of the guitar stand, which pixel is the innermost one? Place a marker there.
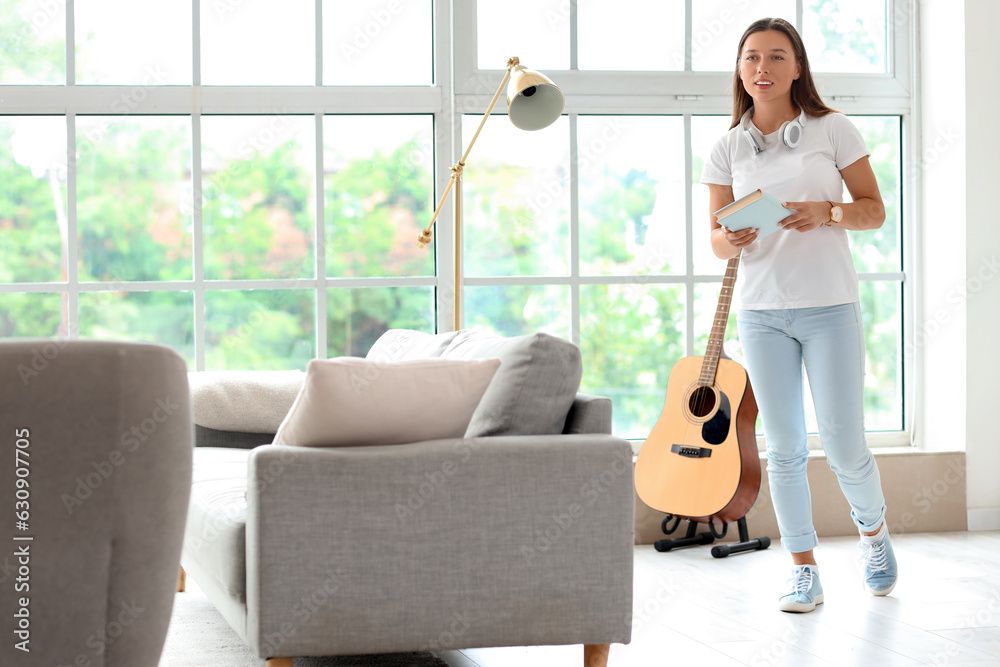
(694, 538)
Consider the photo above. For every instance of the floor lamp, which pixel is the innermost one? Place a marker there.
(533, 103)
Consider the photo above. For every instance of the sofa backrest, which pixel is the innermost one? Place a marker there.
(532, 391)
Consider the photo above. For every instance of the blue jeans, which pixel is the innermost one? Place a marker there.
(830, 342)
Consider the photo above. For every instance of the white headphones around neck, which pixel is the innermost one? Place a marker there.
(790, 132)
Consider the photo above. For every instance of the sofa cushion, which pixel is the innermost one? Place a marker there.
(532, 391)
(243, 401)
(354, 401)
(403, 344)
(215, 536)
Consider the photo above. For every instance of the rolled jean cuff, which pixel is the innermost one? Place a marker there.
(865, 527)
(800, 543)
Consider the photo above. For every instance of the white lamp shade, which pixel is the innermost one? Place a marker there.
(533, 101)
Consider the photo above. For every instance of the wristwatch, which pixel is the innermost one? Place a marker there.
(836, 214)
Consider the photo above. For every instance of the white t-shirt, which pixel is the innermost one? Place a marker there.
(790, 269)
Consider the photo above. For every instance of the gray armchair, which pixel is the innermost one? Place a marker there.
(97, 449)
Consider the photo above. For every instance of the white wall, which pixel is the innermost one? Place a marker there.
(982, 265)
(958, 319)
(939, 339)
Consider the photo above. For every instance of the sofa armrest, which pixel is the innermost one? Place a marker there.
(459, 543)
(589, 414)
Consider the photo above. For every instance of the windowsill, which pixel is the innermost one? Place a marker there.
(879, 449)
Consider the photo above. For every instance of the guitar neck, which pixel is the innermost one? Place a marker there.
(714, 349)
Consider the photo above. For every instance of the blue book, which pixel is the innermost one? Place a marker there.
(757, 209)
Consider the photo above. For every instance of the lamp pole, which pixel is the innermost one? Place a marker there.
(533, 102)
(456, 182)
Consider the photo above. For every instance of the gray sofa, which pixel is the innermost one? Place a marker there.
(97, 467)
(518, 534)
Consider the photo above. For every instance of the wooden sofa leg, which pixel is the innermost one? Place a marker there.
(181, 580)
(594, 655)
(279, 662)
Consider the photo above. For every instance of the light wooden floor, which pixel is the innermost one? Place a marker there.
(692, 609)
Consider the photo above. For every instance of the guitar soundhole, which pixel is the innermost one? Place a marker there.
(702, 401)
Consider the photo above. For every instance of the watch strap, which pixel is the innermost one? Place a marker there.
(831, 221)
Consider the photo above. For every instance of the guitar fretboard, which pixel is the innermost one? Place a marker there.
(714, 348)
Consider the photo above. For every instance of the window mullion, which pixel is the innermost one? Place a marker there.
(574, 49)
(460, 19)
(319, 247)
(72, 251)
(574, 227)
(196, 43)
(70, 43)
(574, 182)
(198, 243)
(319, 224)
(688, 35)
(689, 243)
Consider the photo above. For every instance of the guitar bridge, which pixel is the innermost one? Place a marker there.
(691, 452)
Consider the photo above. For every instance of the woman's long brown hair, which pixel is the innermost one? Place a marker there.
(804, 93)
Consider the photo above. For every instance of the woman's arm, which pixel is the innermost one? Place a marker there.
(865, 212)
(726, 244)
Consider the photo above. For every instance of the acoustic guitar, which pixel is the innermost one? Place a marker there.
(700, 461)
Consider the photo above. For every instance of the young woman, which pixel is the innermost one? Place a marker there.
(798, 300)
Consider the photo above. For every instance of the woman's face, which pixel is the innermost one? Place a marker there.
(768, 65)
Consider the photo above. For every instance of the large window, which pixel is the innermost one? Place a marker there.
(246, 184)
(598, 225)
